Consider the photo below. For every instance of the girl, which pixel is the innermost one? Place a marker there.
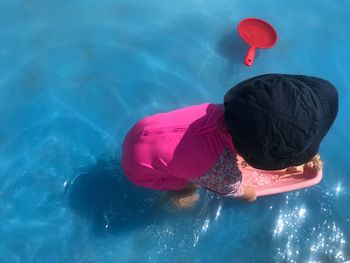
(273, 121)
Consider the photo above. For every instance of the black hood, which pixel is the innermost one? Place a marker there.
(279, 120)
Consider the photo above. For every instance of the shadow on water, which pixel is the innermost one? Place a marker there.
(102, 194)
(233, 49)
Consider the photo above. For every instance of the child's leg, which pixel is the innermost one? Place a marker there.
(184, 198)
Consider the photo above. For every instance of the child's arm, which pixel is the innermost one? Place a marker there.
(225, 179)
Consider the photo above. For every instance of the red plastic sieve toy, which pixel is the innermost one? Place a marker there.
(258, 34)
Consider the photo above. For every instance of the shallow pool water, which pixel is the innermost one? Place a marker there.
(74, 77)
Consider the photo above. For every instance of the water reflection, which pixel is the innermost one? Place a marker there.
(305, 234)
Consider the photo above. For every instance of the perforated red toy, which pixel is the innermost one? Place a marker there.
(258, 34)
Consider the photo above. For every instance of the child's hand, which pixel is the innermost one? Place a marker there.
(249, 193)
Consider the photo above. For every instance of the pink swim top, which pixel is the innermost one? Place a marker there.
(167, 150)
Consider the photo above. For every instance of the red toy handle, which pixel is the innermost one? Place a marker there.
(249, 58)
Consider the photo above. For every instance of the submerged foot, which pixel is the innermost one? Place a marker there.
(184, 198)
(185, 201)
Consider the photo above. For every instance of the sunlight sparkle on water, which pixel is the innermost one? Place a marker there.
(206, 225)
(302, 212)
(338, 189)
(218, 212)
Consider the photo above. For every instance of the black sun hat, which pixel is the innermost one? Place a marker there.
(279, 120)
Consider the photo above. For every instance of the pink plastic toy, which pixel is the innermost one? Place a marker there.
(274, 182)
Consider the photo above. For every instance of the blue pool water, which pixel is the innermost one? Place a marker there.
(75, 75)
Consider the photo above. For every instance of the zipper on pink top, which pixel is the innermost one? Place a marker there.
(164, 130)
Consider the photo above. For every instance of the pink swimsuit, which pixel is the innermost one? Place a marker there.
(167, 150)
